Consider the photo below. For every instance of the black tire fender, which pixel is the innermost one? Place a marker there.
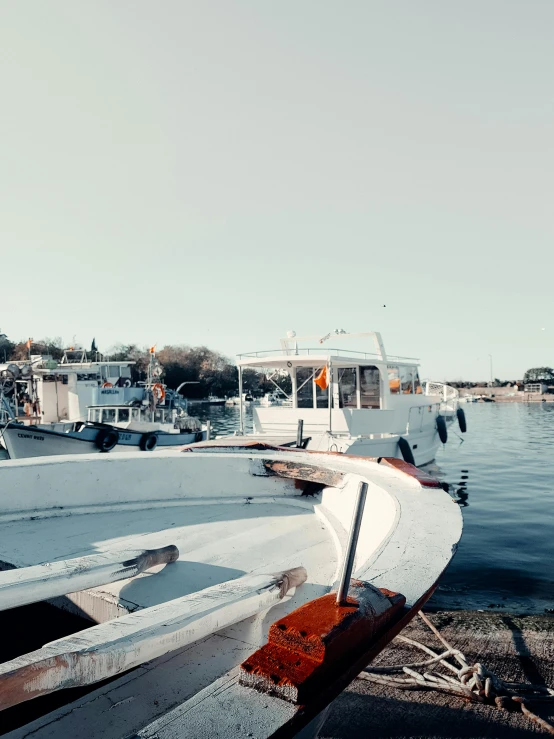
(148, 442)
(462, 423)
(441, 428)
(106, 439)
(406, 450)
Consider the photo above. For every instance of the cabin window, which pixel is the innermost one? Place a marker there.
(348, 396)
(394, 379)
(94, 415)
(305, 387)
(123, 415)
(135, 414)
(108, 415)
(417, 383)
(321, 396)
(406, 380)
(370, 387)
(113, 371)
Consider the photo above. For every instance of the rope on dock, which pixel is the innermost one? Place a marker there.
(474, 683)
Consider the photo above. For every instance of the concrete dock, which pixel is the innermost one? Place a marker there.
(514, 648)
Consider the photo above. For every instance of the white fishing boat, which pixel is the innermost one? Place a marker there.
(210, 400)
(119, 416)
(365, 403)
(42, 391)
(220, 578)
(270, 399)
(118, 428)
(247, 400)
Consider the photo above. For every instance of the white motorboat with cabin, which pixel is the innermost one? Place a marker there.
(365, 403)
(99, 411)
(249, 624)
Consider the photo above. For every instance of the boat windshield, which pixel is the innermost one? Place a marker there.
(353, 387)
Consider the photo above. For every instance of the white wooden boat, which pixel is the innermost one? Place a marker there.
(118, 428)
(119, 417)
(241, 635)
(364, 403)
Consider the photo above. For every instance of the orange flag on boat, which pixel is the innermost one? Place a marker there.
(322, 378)
(28, 344)
(153, 349)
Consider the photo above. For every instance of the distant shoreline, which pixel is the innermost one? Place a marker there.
(507, 395)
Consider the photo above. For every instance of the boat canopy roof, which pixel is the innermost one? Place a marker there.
(316, 357)
(292, 353)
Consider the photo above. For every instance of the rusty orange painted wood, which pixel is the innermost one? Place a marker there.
(306, 647)
(427, 481)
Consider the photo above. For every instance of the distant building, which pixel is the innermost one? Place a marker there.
(536, 387)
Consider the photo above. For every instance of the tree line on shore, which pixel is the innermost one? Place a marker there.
(208, 371)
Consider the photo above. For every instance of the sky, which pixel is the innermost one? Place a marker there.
(221, 172)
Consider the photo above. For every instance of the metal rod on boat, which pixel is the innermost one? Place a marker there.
(350, 553)
(208, 430)
(241, 409)
(330, 381)
(299, 433)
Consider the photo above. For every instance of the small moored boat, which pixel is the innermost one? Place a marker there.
(119, 417)
(226, 570)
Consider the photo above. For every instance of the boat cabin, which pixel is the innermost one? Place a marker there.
(338, 389)
(130, 416)
(49, 392)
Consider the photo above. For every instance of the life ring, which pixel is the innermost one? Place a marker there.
(107, 384)
(462, 423)
(158, 391)
(441, 428)
(148, 442)
(106, 439)
(406, 451)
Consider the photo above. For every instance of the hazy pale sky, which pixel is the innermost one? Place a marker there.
(221, 172)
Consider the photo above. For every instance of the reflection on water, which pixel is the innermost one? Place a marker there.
(225, 420)
(501, 472)
(458, 490)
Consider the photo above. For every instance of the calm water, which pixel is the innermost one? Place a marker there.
(502, 475)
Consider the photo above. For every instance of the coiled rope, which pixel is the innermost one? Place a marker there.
(472, 682)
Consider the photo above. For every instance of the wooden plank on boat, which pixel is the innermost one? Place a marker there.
(119, 645)
(26, 585)
(306, 472)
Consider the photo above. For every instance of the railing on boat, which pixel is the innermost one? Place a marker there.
(446, 392)
(325, 351)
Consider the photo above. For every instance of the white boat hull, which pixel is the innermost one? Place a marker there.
(229, 513)
(29, 441)
(424, 446)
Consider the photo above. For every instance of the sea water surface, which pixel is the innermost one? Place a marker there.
(501, 472)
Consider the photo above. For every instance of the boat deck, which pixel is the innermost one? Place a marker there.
(217, 542)
(229, 513)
